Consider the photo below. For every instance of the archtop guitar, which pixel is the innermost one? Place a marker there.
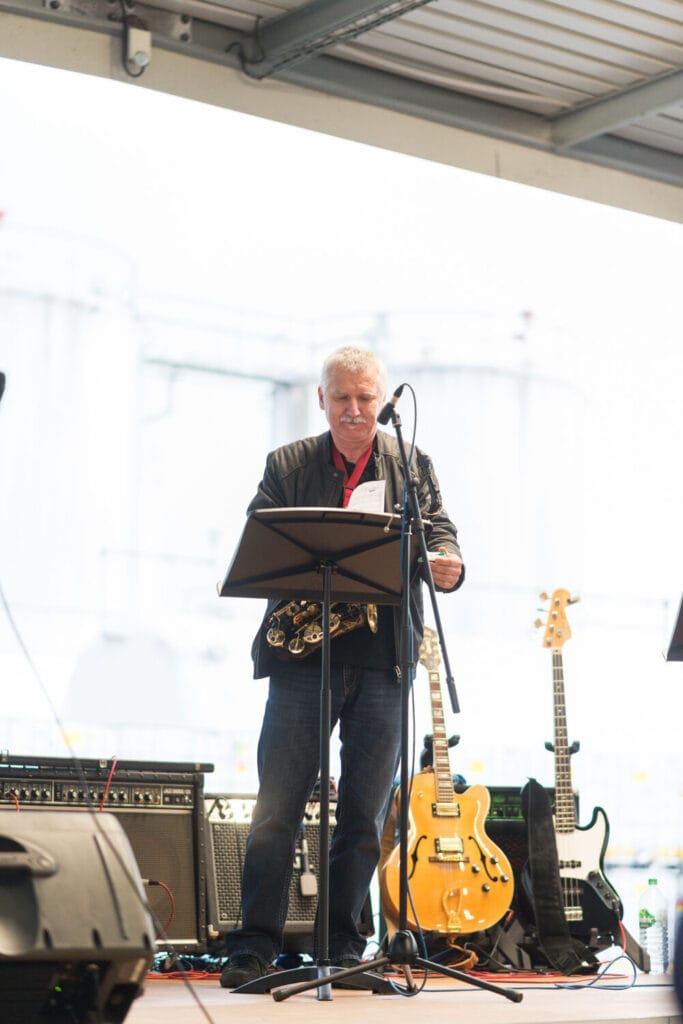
(460, 882)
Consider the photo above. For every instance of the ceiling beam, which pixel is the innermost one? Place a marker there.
(421, 99)
(313, 27)
(443, 106)
(632, 157)
(613, 112)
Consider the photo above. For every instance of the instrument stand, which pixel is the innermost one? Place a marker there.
(402, 950)
(285, 553)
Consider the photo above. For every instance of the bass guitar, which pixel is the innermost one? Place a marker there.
(460, 882)
(590, 902)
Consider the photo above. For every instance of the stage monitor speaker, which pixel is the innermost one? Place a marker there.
(76, 939)
(161, 810)
(229, 818)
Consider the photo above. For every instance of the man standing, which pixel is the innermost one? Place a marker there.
(365, 696)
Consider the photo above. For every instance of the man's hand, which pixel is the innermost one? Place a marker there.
(446, 569)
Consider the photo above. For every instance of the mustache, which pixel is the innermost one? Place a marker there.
(353, 419)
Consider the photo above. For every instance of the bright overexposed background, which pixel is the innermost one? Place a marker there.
(171, 276)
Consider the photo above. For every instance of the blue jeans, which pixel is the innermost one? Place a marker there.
(366, 702)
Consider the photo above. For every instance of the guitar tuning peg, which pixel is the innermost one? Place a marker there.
(543, 596)
(573, 600)
(537, 623)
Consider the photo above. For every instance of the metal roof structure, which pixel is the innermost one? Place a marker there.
(580, 96)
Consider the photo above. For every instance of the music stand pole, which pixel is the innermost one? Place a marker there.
(323, 916)
(323, 973)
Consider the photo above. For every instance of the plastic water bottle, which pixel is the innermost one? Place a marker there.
(653, 922)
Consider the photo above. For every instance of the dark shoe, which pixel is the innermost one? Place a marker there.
(240, 969)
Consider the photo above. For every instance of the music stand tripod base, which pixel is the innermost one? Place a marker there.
(304, 978)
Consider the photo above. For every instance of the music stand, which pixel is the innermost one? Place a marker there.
(292, 553)
(675, 649)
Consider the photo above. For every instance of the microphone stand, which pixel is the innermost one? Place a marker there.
(402, 950)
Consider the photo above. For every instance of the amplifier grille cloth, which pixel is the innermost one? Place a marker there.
(229, 840)
(229, 820)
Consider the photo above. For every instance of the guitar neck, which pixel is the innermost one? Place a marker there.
(442, 767)
(565, 810)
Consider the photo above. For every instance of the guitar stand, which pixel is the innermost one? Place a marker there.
(402, 950)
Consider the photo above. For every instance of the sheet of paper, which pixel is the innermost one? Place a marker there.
(368, 497)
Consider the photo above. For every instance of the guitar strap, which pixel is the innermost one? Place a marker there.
(563, 952)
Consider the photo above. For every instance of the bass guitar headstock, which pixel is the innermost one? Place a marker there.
(557, 630)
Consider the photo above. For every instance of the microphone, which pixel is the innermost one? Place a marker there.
(388, 409)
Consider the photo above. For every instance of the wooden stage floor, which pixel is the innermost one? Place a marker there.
(651, 1000)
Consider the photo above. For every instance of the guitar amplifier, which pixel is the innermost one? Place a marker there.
(506, 802)
(160, 807)
(229, 819)
(506, 825)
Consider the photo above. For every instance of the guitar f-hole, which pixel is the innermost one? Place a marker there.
(483, 858)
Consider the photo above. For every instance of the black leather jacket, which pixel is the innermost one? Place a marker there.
(303, 474)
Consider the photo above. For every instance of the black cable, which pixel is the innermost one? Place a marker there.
(124, 40)
(244, 62)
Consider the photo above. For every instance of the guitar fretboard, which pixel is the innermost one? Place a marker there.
(565, 810)
(442, 767)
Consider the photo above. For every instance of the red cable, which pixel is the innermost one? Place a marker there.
(172, 901)
(108, 783)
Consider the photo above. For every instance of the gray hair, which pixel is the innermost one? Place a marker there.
(354, 359)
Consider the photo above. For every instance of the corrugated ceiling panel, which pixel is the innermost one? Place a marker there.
(559, 20)
(497, 53)
(665, 133)
(607, 44)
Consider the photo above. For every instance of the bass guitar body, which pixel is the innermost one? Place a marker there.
(589, 899)
(460, 882)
